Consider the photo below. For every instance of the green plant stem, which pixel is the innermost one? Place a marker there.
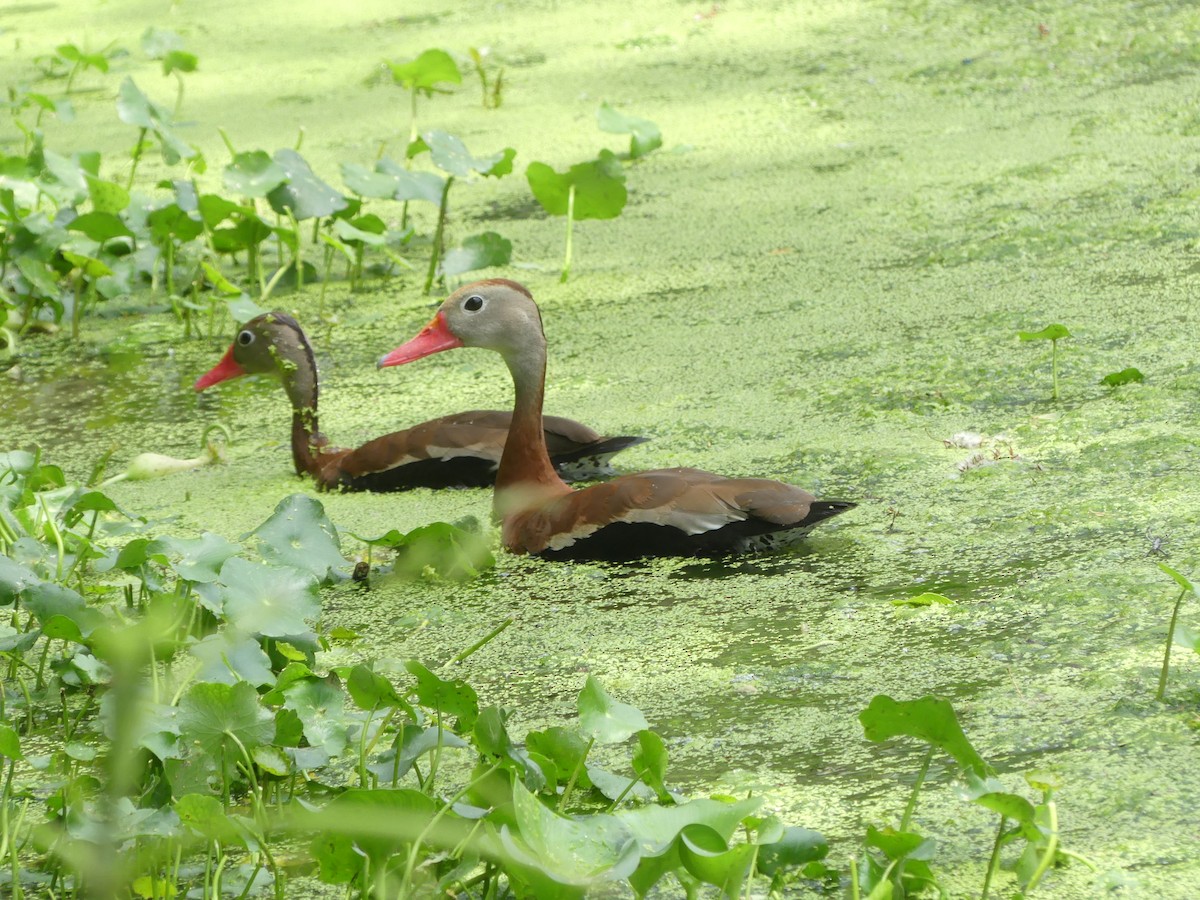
(566, 272)
(298, 255)
(77, 306)
(1051, 849)
(482, 642)
(137, 156)
(1054, 368)
(993, 859)
(411, 865)
(854, 890)
(566, 794)
(412, 120)
(906, 819)
(1166, 666)
(438, 234)
(621, 796)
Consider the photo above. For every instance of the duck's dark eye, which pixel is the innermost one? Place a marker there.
(474, 303)
(245, 338)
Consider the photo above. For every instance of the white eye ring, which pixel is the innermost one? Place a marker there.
(474, 303)
(246, 338)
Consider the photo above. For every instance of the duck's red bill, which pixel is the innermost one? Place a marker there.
(433, 338)
(224, 370)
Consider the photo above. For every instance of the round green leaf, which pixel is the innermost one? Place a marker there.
(274, 601)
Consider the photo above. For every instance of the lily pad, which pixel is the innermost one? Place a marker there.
(274, 601)
(578, 852)
(427, 186)
(450, 154)
(599, 187)
(200, 559)
(212, 715)
(375, 824)
(99, 226)
(426, 72)
(366, 183)
(453, 697)
(1049, 333)
(299, 534)
(321, 708)
(226, 658)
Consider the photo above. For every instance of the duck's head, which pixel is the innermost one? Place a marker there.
(272, 344)
(496, 314)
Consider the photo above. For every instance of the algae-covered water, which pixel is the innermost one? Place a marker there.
(818, 279)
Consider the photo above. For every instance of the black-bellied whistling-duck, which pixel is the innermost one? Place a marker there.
(666, 512)
(460, 450)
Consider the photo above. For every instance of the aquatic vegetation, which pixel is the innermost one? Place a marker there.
(587, 190)
(1174, 631)
(1130, 375)
(199, 770)
(74, 60)
(422, 77)
(1052, 333)
(167, 47)
(492, 86)
(644, 135)
(151, 119)
(895, 861)
(450, 155)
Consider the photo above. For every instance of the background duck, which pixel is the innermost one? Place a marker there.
(458, 450)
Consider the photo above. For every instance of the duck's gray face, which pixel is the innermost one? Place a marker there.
(496, 315)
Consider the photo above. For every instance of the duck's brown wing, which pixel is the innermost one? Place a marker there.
(464, 450)
(666, 512)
